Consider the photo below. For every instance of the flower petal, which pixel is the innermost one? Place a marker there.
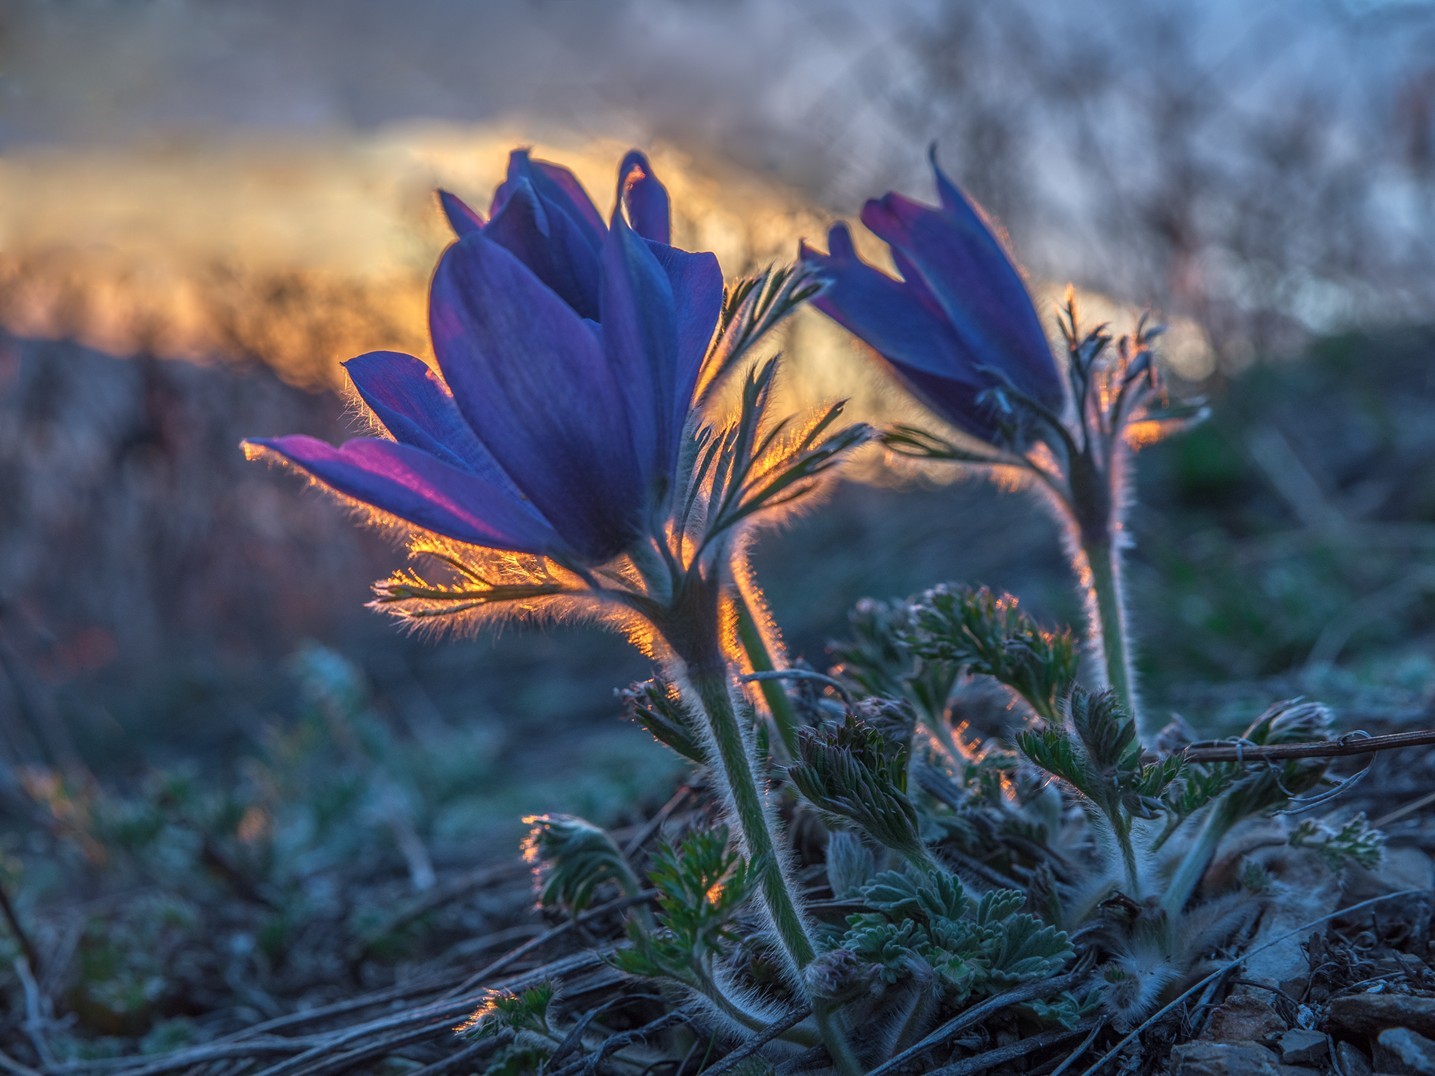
(967, 271)
(461, 218)
(696, 280)
(530, 377)
(558, 188)
(408, 483)
(640, 342)
(550, 243)
(887, 313)
(645, 199)
(418, 410)
(906, 327)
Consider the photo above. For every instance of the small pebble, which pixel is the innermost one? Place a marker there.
(1302, 1047)
(1370, 1014)
(1229, 1059)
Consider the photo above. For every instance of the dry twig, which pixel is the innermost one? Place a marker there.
(1237, 751)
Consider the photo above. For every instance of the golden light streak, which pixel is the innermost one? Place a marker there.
(304, 253)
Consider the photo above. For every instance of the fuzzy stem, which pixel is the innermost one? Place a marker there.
(1122, 830)
(692, 627)
(1099, 565)
(714, 690)
(760, 657)
(754, 822)
(834, 1037)
(1197, 858)
(704, 983)
(942, 732)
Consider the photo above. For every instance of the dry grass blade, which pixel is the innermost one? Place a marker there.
(753, 1045)
(978, 1013)
(990, 1059)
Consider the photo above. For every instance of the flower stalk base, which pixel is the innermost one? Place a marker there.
(705, 678)
(1099, 565)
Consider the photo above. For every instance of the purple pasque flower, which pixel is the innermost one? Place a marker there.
(959, 324)
(568, 352)
(542, 216)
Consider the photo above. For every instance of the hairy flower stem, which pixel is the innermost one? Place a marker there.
(693, 635)
(714, 690)
(759, 655)
(1099, 567)
(706, 985)
(1192, 867)
(1121, 830)
(754, 822)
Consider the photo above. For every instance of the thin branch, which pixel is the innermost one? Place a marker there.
(10, 1065)
(753, 1045)
(1400, 812)
(34, 1014)
(1235, 751)
(990, 1059)
(27, 947)
(1075, 1055)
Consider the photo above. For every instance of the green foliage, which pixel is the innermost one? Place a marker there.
(701, 885)
(1354, 841)
(655, 706)
(125, 962)
(1095, 751)
(524, 1020)
(850, 863)
(988, 635)
(752, 307)
(504, 1010)
(1200, 786)
(926, 920)
(907, 895)
(1270, 786)
(877, 661)
(1067, 1009)
(857, 777)
(753, 465)
(572, 859)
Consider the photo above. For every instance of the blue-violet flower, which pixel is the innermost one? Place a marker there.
(959, 327)
(569, 353)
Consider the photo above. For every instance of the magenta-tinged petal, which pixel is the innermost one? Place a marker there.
(407, 483)
(531, 379)
(645, 199)
(417, 409)
(461, 218)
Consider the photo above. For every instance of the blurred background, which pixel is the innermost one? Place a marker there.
(205, 207)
